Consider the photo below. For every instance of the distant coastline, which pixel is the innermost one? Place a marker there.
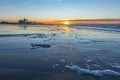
(25, 21)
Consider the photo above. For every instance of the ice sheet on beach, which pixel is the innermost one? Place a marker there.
(48, 49)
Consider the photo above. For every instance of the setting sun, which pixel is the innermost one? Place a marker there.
(66, 22)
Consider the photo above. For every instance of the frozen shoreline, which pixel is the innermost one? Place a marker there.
(47, 50)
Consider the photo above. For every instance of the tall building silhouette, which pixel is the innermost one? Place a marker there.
(24, 21)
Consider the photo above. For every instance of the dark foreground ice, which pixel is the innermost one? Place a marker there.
(42, 52)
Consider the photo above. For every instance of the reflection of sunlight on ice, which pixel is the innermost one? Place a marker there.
(66, 28)
(61, 31)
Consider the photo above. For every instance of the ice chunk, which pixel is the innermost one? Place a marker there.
(109, 72)
(106, 72)
(90, 64)
(99, 73)
(56, 64)
(41, 45)
(77, 69)
(62, 60)
(115, 65)
(96, 65)
(38, 36)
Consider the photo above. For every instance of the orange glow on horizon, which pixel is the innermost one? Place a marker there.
(83, 22)
(66, 22)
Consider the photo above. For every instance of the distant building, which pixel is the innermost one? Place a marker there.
(24, 21)
(4, 22)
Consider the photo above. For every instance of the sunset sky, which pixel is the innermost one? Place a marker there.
(51, 10)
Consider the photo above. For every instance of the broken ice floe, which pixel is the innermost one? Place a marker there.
(115, 65)
(62, 60)
(40, 45)
(90, 64)
(98, 73)
(38, 36)
(56, 64)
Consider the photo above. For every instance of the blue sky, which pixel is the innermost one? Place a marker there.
(59, 9)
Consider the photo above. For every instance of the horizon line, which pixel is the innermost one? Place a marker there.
(73, 21)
